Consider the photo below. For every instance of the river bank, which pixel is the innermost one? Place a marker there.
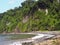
(55, 40)
(40, 37)
(52, 41)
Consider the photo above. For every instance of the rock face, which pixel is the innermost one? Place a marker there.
(25, 19)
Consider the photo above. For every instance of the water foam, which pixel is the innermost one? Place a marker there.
(15, 43)
(38, 36)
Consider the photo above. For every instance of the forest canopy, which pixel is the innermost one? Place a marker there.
(31, 16)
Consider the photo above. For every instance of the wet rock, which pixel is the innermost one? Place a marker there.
(29, 43)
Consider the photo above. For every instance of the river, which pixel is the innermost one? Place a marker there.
(7, 40)
(4, 40)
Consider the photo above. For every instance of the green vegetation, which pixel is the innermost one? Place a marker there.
(20, 36)
(31, 16)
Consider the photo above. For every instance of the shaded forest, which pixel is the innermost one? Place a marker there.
(32, 16)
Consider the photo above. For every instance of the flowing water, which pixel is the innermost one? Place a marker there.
(14, 39)
(5, 41)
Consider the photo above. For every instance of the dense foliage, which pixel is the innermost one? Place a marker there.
(31, 17)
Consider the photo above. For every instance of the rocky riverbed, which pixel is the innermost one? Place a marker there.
(41, 38)
(54, 40)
